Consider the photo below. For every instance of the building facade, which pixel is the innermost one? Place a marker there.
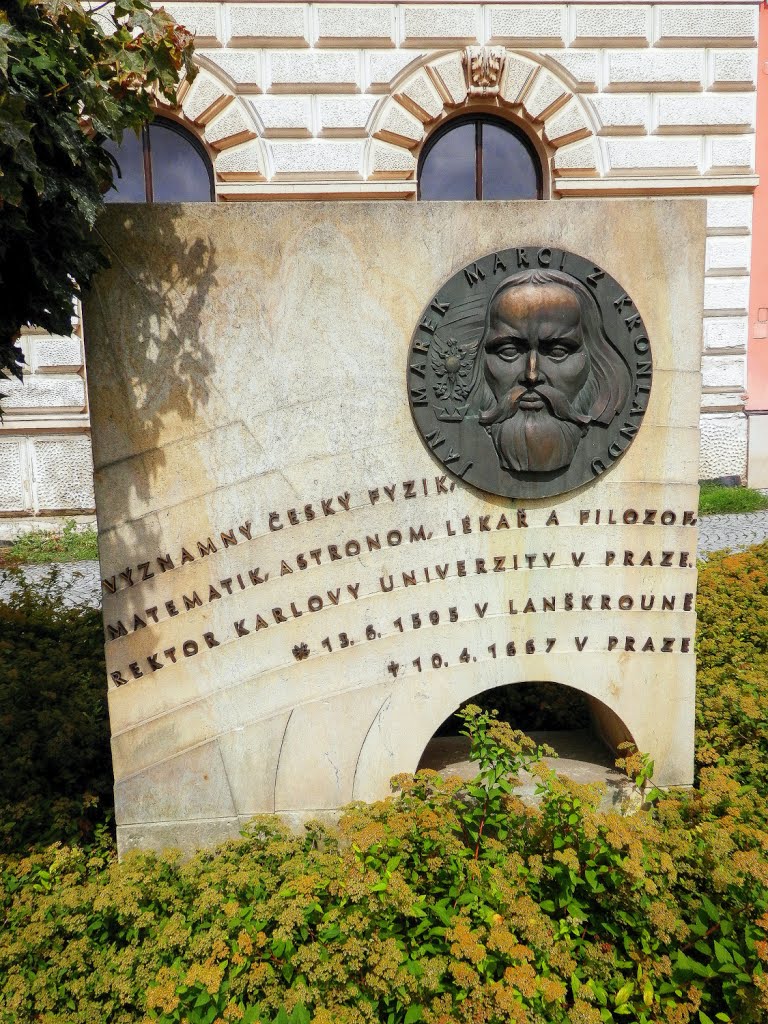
(345, 101)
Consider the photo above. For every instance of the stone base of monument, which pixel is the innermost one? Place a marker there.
(336, 501)
(581, 757)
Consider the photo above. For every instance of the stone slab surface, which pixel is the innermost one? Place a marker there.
(296, 593)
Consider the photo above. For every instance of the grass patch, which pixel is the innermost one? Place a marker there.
(714, 500)
(41, 546)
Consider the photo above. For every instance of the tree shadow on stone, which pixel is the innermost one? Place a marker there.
(149, 356)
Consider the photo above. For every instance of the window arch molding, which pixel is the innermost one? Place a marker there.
(491, 114)
(537, 95)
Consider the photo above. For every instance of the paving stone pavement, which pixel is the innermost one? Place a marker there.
(80, 581)
(734, 531)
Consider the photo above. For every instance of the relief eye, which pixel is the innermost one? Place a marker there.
(509, 349)
(557, 349)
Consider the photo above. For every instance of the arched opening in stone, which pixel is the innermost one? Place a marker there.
(584, 732)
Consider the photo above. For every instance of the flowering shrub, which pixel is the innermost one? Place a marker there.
(448, 903)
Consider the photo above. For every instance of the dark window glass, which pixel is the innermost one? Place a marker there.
(165, 164)
(508, 169)
(179, 171)
(479, 158)
(448, 172)
(129, 187)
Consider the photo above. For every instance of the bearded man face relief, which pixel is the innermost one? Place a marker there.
(539, 384)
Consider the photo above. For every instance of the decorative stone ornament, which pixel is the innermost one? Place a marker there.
(483, 66)
(529, 372)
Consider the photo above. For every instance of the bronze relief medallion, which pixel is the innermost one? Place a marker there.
(529, 372)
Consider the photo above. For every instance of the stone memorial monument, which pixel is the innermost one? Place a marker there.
(358, 463)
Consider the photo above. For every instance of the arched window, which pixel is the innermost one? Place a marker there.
(479, 158)
(164, 164)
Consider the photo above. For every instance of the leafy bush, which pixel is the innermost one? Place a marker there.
(55, 769)
(449, 903)
(40, 546)
(732, 672)
(714, 499)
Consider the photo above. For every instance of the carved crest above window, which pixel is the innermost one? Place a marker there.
(483, 66)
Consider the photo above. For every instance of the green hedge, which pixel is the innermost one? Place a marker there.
(450, 903)
(55, 768)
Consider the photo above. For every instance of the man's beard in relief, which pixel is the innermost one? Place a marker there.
(538, 440)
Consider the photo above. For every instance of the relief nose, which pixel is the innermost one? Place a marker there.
(532, 375)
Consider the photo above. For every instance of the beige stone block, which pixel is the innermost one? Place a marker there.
(52, 391)
(383, 69)
(230, 128)
(545, 95)
(323, 158)
(420, 96)
(581, 157)
(322, 742)
(448, 75)
(263, 433)
(732, 69)
(174, 835)
(723, 445)
(730, 153)
(728, 372)
(268, 24)
(728, 255)
(757, 468)
(726, 295)
(204, 20)
(532, 25)
(623, 114)
(251, 756)
(611, 25)
(12, 473)
(516, 75)
(390, 163)
(439, 26)
(205, 99)
(387, 746)
(654, 155)
(724, 24)
(726, 332)
(242, 68)
(278, 116)
(244, 162)
(581, 67)
(361, 25)
(63, 469)
(49, 352)
(704, 113)
(191, 785)
(567, 125)
(729, 215)
(399, 127)
(345, 115)
(656, 69)
(314, 72)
